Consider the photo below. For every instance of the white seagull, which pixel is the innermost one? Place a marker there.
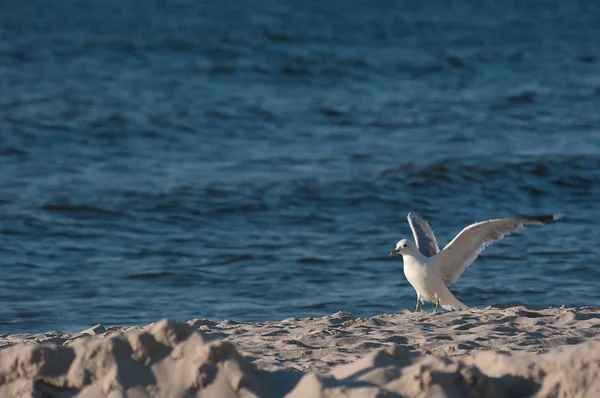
(430, 271)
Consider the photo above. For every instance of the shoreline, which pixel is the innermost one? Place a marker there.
(491, 351)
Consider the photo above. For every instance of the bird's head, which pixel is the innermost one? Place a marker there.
(403, 247)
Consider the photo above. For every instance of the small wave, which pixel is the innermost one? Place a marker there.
(77, 209)
(557, 171)
(474, 291)
(511, 304)
(572, 270)
(150, 275)
(526, 97)
(114, 119)
(241, 258)
(332, 112)
(558, 253)
(503, 257)
(277, 36)
(243, 208)
(12, 151)
(311, 260)
(456, 62)
(144, 252)
(588, 59)
(27, 265)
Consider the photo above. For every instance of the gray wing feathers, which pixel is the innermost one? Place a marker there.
(423, 234)
(452, 261)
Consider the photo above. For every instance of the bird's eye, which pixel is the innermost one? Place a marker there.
(404, 245)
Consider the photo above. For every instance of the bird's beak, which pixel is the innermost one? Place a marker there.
(394, 252)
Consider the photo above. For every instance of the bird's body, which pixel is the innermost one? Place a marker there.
(428, 284)
(430, 271)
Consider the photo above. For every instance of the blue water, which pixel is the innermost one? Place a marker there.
(256, 160)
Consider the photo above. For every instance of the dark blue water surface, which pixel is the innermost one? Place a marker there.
(256, 160)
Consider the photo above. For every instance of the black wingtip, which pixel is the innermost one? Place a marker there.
(544, 219)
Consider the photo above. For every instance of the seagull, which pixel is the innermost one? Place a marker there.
(430, 271)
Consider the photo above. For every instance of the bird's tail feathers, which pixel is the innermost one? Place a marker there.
(452, 304)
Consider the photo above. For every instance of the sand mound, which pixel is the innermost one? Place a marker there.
(478, 353)
(167, 359)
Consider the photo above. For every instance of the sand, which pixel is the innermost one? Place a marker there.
(516, 351)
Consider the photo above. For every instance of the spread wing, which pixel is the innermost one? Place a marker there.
(452, 261)
(423, 234)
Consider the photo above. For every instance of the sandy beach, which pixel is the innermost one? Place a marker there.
(503, 351)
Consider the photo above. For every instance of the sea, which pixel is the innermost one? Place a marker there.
(256, 160)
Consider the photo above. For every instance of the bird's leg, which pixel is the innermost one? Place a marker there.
(418, 301)
(437, 303)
